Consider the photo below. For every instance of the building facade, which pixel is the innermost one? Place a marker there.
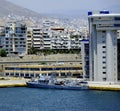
(118, 57)
(85, 58)
(37, 70)
(46, 38)
(29, 41)
(60, 39)
(14, 39)
(103, 29)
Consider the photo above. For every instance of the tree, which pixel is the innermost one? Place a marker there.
(3, 53)
(33, 50)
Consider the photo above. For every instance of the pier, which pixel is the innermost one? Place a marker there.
(105, 86)
(12, 82)
(21, 82)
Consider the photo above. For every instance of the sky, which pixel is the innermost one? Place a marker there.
(62, 6)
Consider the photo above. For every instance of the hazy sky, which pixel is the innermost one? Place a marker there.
(59, 6)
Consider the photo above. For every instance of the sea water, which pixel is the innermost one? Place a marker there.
(33, 99)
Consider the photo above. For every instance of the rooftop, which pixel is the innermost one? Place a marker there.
(105, 15)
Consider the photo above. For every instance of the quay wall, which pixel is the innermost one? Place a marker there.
(105, 86)
(12, 82)
(21, 82)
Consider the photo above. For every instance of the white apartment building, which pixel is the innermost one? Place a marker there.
(50, 36)
(37, 38)
(34, 38)
(14, 40)
(46, 38)
(75, 43)
(47, 33)
(60, 39)
(103, 29)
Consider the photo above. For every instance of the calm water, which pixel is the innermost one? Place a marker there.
(28, 99)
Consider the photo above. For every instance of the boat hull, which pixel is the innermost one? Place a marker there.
(37, 85)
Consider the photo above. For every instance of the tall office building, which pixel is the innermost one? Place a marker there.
(103, 29)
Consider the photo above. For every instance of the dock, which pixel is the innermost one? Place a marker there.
(13, 82)
(104, 86)
(21, 82)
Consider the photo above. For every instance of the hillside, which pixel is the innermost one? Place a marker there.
(7, 8)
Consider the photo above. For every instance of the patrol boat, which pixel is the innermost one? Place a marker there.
(47, 82)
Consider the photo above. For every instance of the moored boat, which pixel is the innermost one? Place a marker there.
(51, 83)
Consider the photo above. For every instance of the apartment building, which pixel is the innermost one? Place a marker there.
(37, 38)
(46, 38)
(14, 39)
(29, 41)
(59, 38)
(75, 43)
(34, 38)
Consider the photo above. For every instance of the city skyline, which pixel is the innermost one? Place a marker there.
(68, 6)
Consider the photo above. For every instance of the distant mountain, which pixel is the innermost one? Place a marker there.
(83, 13)
(7, 8)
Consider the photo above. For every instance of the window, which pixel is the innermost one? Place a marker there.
(9, 68)
(103, 41)
(12, 74)
(104, 67)
(117, 18)
(22, 39)
(7, 74)
(104, 52)
(17, 74)
(31, 75)
(104, 57)
(37, 75)
(22, 75)
(103, 46)
(26, 75)
(104, 79)
(116, 25)
(104, 72)
(104, 62)
(103, 31)
(34, 69)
